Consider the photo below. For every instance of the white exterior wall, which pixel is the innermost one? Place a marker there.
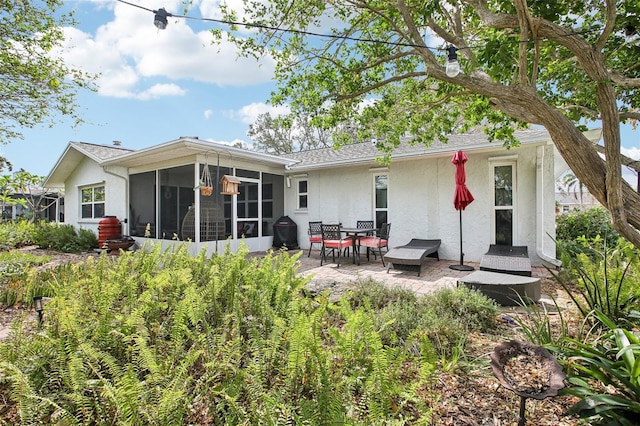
(88, 173)
(421, 201)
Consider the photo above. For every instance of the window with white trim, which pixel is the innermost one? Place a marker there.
(303, 194)
(380, 200)
(504, 184)
(92, 202)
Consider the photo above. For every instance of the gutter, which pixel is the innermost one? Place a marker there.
(540, 209)
(126, 192)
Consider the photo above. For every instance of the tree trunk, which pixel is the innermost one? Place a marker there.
(602, 179)
(592, 171)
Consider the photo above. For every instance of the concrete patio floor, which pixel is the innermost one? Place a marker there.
(435, 275)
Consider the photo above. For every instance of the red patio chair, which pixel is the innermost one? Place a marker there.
(377, 242)
(315, 234)
(332, 240)
(363, 224)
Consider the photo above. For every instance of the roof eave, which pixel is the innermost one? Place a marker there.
(195, 146)
(433, 152)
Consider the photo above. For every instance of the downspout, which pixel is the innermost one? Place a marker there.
(126, 195)
(541, 205)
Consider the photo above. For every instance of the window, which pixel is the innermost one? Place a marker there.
(380, 207)
(503, 206)
(92, 202)
(303, 195)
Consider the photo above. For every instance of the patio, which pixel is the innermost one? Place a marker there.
(435, 274)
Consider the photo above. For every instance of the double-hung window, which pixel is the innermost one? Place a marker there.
(92, 202)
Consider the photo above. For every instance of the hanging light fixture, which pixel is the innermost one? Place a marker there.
(452, 68)
(160, 20)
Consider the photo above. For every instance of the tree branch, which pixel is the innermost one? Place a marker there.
(624, 160)
(365, 90)
(609, 24)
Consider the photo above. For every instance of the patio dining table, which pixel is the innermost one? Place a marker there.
(353, 233)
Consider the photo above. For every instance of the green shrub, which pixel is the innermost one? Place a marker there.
(592, 223)
(64, 238)
(378, 295)
(445, 317)
(471, 308)
(450, 314)
(15, 234)
(536, 325)
(14, 270)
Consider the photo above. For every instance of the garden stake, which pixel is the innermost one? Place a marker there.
(37, 305)
(522, 420)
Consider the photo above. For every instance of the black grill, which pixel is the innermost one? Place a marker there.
(285, 233)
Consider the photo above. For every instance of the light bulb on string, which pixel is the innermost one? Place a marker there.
(452, 69)
(160, 18)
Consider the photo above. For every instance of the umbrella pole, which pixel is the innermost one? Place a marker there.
(461, 266)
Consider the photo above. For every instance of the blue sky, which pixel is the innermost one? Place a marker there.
(156, 86)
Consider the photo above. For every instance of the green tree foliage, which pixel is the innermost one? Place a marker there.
(24, 188)
(36, 84)
(592, 223)
(554, 64)
(571, 185)
(286, 134)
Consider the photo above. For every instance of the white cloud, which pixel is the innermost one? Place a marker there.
(631, 152)
(129, 52)
(249, 113)
(160, 90)
(208, 114)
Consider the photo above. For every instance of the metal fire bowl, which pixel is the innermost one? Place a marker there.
(120, 242)
(507, 350)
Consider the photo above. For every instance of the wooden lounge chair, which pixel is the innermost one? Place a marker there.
(506, 259)
(411, 255)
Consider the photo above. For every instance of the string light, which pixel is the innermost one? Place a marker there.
(160, 19)
(452, 69)
(284, 30)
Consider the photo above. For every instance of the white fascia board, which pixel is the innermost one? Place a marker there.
(195, 146)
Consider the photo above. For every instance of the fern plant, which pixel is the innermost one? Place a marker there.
(158, 336)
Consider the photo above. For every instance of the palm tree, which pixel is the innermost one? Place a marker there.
(571, 184)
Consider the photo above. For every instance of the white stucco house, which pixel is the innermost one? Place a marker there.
(155, 192)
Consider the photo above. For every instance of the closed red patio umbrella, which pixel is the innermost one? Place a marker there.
(462, 197)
